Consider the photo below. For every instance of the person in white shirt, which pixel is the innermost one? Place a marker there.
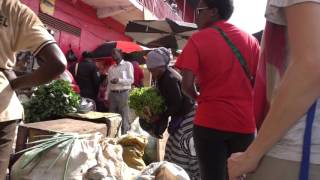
(120, 78)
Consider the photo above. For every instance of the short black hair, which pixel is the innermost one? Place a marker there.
(225, 7)
(86, 54)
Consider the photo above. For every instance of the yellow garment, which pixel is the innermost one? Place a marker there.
(133, 150)
(20, 29)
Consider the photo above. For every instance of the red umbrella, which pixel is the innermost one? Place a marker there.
(129, 47)
(105, 49)
(131, 51)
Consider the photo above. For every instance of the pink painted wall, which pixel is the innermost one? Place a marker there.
(33, 4)
(161, 9)
(94, 31)
(189, 11)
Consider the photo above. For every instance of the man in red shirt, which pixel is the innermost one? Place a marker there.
(138, 75)
(224, 121)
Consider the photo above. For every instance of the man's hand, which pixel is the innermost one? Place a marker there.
(54, 63)
(241, 163)
(10, 74)
(114, 81)
(188, 84)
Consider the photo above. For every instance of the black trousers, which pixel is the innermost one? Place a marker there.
(213, 148)
(7, 134)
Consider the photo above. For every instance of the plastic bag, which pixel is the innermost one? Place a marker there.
(86, 105)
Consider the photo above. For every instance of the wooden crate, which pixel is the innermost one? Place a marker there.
(111, 120)
(31, 131)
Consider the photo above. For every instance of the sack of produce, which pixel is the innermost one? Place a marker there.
(150, 151)
(112, 166)
(163, 171)
(133, 150)
(60, 157)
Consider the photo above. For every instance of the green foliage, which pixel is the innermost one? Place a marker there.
(146, 102)
(51, 101)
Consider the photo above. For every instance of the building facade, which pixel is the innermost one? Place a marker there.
(84, 24)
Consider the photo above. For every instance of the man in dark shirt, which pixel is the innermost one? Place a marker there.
(180, 147)
(86, 75)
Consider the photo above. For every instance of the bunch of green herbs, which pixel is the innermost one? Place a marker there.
(146, 102)
(51, 101)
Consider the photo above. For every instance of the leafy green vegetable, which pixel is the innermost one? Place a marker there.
(146, 102)
(51, 101)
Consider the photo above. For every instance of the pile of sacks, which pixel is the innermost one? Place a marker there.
(111, 166)
(91, 157)
(73, 157)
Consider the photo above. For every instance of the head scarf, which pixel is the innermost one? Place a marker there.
(158, 57)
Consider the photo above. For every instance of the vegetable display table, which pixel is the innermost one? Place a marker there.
(33, 131)
(111, 120)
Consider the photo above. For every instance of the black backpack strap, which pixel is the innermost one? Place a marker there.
(236, 51)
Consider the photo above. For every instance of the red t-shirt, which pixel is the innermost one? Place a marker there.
(225, 102)
(138, 75)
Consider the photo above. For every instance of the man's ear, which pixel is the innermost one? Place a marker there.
(214, 12)
(120, 51)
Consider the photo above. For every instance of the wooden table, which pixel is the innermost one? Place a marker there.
(29, 132)
(111, 120)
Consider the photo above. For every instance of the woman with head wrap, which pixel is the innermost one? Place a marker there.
(180, 146)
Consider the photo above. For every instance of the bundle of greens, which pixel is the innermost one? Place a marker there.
(146, 102)
(51, 101)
